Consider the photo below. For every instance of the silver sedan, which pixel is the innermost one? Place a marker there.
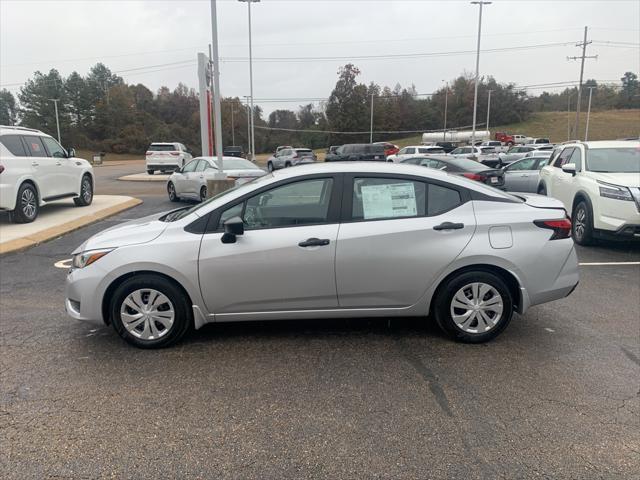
(330, 240)
(191, 180)
(524, 175)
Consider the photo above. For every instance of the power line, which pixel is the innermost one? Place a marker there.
(356, 133)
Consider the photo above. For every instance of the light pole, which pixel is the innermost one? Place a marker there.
(568, 115)
(253, 145)
(233, 125)
(217, 112)
(446, 95)
(475, 93)
(248, 126)
(586, 130)
(488, 108)
(55, 104)
(371, 123)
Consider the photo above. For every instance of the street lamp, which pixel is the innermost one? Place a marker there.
(446, 95)
(488, 109)
(475, 93)
(253, 144)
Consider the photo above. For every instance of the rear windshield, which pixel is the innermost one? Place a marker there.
(542, 140)
(488, 150)
(159, 147)
(238, 164)
(233, 149)
(304, 152)
(614, 160)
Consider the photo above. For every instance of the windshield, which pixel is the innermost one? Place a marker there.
(238, 164)
(240, 189)
(614, 160)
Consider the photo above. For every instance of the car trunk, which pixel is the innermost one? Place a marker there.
(539, 201)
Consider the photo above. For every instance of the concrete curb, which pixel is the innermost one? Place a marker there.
(59, 230)
(144, 177)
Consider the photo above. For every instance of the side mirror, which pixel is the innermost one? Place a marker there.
(569, 168)
(71, 152)
(232, 228)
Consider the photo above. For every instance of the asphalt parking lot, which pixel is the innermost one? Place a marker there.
(557, 395)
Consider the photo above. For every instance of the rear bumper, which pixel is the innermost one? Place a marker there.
(7, 196)
(563, 285)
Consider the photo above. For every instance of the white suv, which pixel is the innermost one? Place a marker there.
(599, 183)
(35, 170)
(166, 157)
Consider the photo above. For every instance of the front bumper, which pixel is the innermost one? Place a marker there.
(623, 233)
(84, 294)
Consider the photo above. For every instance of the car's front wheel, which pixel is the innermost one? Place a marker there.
(150, 171)
(149, 311)
(542, 189)
(86, 192)
(27, 204)
(203, 194)
(474, 306)
(582, 224)
(287, 164)
(171, 191)
(270, 166)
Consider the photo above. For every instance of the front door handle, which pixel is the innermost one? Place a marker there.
(34, 164)
(314, 242)
(449, 226)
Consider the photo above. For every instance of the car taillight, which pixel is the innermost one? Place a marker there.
(175, 154)
(561, 228)
(474, 176)
(148, 153)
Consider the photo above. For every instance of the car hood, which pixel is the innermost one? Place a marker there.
(622, 179)
(133, 232)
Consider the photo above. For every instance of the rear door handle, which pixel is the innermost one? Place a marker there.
(34, 164)
(449, 226)
(314, 242)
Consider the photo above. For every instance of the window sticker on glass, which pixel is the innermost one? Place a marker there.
(388, 201)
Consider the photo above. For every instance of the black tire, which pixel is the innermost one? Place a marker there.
(171, 191)
(443, 306)
(287, 164)
(86, 192)
(183, 317)
(270, 166)
(542, 189)
(582, 224)
(27, 204)
(203, 194)
(150, 171)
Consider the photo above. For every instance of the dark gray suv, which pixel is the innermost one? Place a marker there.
(357, 152)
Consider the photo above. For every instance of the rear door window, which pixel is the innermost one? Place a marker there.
(14, 144)
(387, 198)
(441, 199)
(35, 146)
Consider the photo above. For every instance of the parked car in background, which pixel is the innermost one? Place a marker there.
(389, 148)
(329, 241)
(519, 139)
(333, 148)
(357, 152)
(412, 151)
(36, 170)
(515, 153)
(524, 175)
(190, 182)
(465, 167)
(166, 157)
(485, 155)
(289, 157)
(497, 146)
(446, 146)
(233, 151)
(504, 138)
(282, 147)
(599, 183)
(539, 153)
(537, 141)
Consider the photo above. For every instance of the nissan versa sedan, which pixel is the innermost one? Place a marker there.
(329, 240)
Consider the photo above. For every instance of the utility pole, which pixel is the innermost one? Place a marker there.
(371, 123)
(217, 112)
(475, 93)
(253, 138)
(55, 103)
(488, 108)
(233, 125)
(582, 58)
(586, 130)
(568, 115)
(444, 129)
(248, 127)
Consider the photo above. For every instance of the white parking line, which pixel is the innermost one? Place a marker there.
(66, 264)
(596, 264)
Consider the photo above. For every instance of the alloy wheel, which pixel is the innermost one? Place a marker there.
(476, 308)
(87, 191)
(147, 314)
(28, 202)
(580, 222)
(172, 191)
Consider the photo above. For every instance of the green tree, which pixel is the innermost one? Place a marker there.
(36, 102)
(8, 110)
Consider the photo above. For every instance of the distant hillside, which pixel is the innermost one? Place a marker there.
(605, 125)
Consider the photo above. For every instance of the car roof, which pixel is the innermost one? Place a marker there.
(224, 157)
(13, 130)
(164, 143)
(612, 144)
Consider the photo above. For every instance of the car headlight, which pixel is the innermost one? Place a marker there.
(614, 191)
(84, 259)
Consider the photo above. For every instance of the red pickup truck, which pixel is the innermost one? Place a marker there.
(505, 138)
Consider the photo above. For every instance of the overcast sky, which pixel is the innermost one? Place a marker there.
(125, 35)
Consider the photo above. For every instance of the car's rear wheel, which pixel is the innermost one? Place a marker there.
(270, 166)
(582, 224)
(150, 171)
(203, 194)
(474, 306)
(27, 204)
(86, 192)
(149, 311)
(171, 191)
(542, 189)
